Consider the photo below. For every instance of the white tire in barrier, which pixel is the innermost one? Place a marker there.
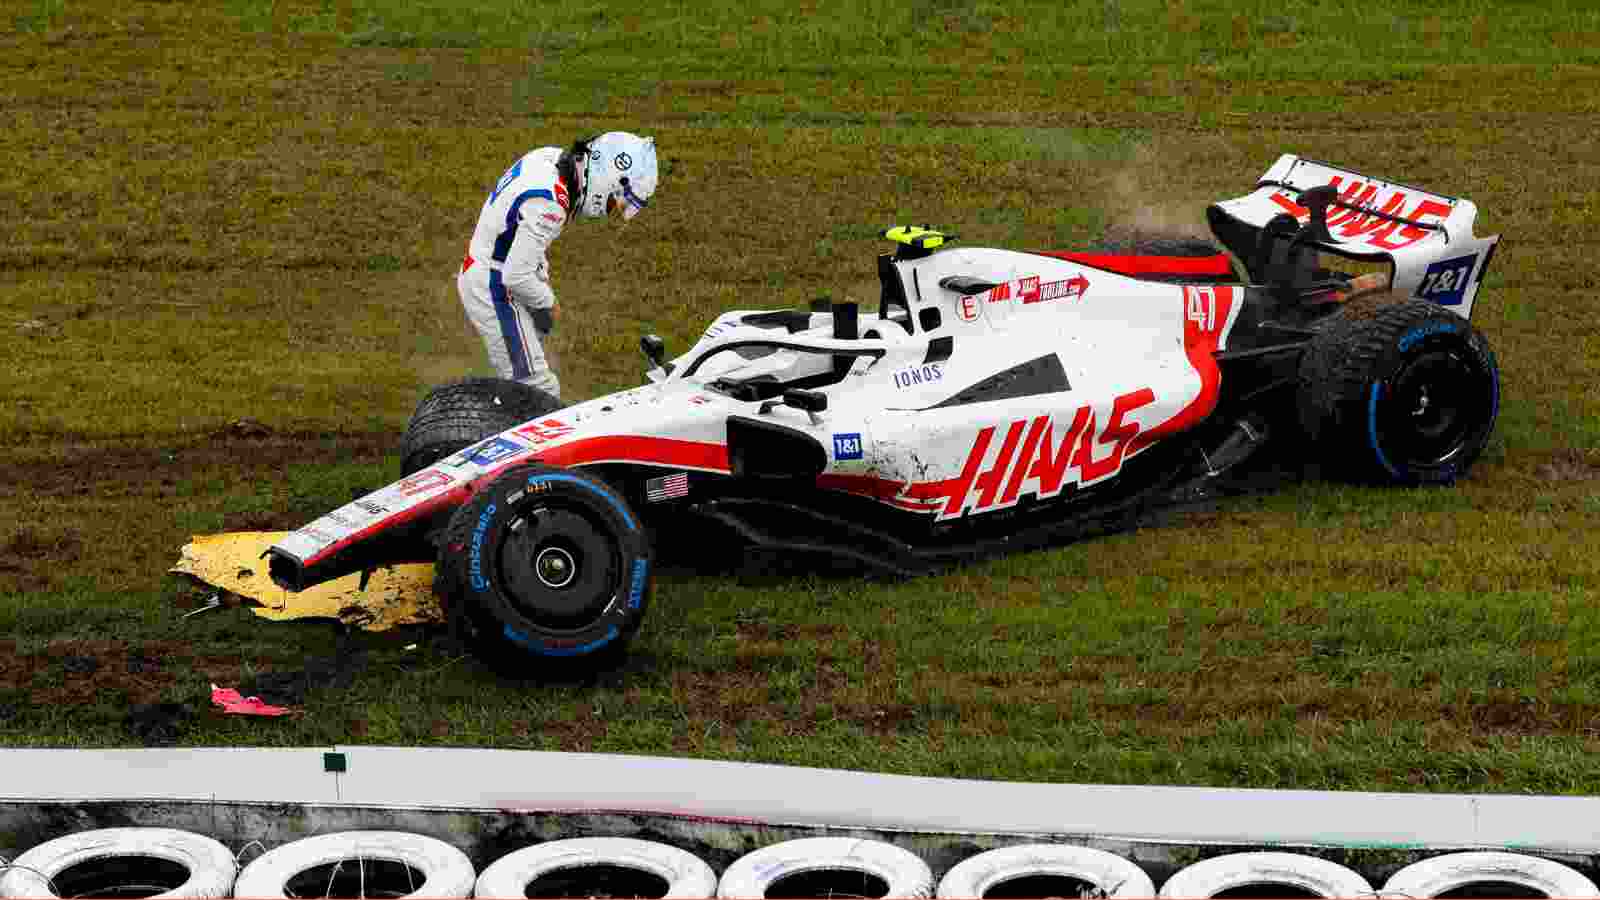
(446, 871)
(1437, 875)
(1210, 877)
(906, 875)
(209, 864)
(1108, 874)
(686, 875)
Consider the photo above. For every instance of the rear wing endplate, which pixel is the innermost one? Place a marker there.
(1426, 238)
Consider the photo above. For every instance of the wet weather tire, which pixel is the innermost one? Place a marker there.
(904, 873)
(459, 414)
(545, 571)
(445, 871)
(1106, 874)
(1170, 246)
(1399, 391)
(1319, 877)
(685, 874)
(57, 867)
(1490, 869)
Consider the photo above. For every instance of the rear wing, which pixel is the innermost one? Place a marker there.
(1426, 238)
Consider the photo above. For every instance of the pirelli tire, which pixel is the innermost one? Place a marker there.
(1398, 391)
(545, 571)
(1164, 245)
(458, 414)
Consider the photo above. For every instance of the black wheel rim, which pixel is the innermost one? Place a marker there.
(560, 568)
(1431, 407)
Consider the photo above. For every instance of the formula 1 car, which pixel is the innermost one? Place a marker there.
(994, 400)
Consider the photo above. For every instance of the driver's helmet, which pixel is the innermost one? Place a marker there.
(620, 173)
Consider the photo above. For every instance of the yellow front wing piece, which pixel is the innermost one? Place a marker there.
(395, 595)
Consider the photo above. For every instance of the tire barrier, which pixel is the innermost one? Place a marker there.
(585, 865)
(1319, 877)
(828, 867)
(1492, 869)
(359, 864)
(172, 863)
(1035, 868)
(152, 862)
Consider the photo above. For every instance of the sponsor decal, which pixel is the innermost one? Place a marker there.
(968, 309)
(1360, 225)
(698, 400)
(552, 217)
(475, 554)
(1067, 289)
(1031, 290)
(1425, 330)
(1445, 282)
(542, 432)
(316, 534)
(622, 161)
(371, 508)
(847, 446)
(641, 568)
(338, 518)
(717, 328)
(561, 195)
(506, 179)
(487, 452)
(1030, 456)
(422, 482)
(666, 487)
(918, 375)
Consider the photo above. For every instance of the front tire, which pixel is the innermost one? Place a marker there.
(544, 570)
(1399, 391)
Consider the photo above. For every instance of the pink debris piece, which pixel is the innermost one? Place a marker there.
(231, 702)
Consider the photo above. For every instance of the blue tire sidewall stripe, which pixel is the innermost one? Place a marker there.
(637, 576)
(1419, 333)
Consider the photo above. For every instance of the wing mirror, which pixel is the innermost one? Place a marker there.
(655, 350)
(812, 402)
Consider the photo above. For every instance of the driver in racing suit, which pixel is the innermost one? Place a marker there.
(505, 278)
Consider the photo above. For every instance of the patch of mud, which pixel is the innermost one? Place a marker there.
(96, 486)
(1570, 465)
(82, 470)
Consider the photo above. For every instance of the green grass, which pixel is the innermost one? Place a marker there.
(252, 211)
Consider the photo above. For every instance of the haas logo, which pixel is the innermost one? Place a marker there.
(1031, 455)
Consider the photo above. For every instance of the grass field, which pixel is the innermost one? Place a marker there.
(231, 230)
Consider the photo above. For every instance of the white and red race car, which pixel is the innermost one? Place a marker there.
(994, 399)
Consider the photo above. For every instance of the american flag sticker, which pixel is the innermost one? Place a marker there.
(666, 487)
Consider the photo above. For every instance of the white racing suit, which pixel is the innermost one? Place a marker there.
(505, 278)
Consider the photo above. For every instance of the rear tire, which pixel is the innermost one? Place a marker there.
(1399, 391)
(457, 415)
(1141, 244)
(545, 571)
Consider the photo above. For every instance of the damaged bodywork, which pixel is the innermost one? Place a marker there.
(993, 399)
